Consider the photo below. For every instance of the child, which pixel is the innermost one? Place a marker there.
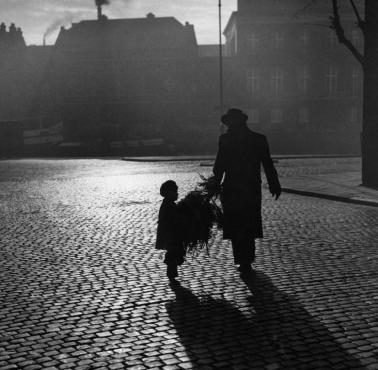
(169, 235)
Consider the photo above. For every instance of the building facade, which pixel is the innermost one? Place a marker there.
(125, 79)
(298, 83)
(24, 98)
(12, 50)
(12, 97)
(111, 82)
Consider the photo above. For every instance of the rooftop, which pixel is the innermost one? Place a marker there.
(131, 33)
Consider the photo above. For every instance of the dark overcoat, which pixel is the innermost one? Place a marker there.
(240, 155)
(168, 234)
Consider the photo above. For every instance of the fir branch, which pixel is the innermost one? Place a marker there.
(200, 213)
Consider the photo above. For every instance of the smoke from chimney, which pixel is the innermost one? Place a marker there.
(100, 4)
(67, 18)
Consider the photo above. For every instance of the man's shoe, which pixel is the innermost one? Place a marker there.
(245, 269)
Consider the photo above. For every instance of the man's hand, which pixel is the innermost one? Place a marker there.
(275, 191)
(213, 186)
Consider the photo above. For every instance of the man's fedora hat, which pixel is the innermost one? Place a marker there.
(234, 116)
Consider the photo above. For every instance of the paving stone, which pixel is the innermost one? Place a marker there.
(33, 367)
(116, 366)
(187, 365)
(171, 367)
(154, 364)
(82, 285)
(372, 366)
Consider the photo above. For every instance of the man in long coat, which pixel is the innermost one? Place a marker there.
(240, 155)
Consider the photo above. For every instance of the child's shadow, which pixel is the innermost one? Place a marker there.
(271, 331)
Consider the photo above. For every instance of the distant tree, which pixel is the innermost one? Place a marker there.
(368, 23)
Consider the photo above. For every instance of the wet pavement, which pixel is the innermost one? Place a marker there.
(82, 287)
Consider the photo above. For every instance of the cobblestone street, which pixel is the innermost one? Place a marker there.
(82, 287)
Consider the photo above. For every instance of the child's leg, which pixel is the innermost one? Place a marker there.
(171, 261)
(172, 271)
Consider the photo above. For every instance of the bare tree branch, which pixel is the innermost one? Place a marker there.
(340, 33)
(304, 8)
(360, 21)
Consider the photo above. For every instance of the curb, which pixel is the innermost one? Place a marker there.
(365, 202)
(168, 159)
(189, 158)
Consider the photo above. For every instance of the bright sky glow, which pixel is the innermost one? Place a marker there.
(35, 17)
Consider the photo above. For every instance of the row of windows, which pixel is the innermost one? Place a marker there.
(278, 40)
(277, 115)
(254, 80)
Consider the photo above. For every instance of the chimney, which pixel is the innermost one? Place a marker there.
(12, 28)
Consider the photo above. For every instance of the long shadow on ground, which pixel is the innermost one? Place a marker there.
(272, 331)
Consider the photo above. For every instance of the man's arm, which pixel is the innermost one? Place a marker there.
(270, 171)
(219, 165)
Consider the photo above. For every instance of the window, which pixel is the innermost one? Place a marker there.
(356, 39)
(253, 81)
(15, 92)
(277, 82)
(253, 42)
(169, 83)
(304, 39)
(332, 39)
(356, 82)
(116, 67)
(303, 115)
(303, 80)
(254, 115)
(331, 78)
(354, 115)
(276, 115)
(278, 41)
(231, 45)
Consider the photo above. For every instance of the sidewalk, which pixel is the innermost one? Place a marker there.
(341, 186)
(338, 183)
(182, 158)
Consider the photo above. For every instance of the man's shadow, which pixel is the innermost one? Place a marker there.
(271, 330)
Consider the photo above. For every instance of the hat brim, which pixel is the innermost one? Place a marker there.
(229, 119)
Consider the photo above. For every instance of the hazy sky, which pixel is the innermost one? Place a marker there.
(35, 17)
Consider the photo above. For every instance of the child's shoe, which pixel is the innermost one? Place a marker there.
(172, 272)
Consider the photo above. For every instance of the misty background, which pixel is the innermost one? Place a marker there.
(134, 77)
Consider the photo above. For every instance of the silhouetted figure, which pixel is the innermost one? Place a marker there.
(169, 235)
(240, 155)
